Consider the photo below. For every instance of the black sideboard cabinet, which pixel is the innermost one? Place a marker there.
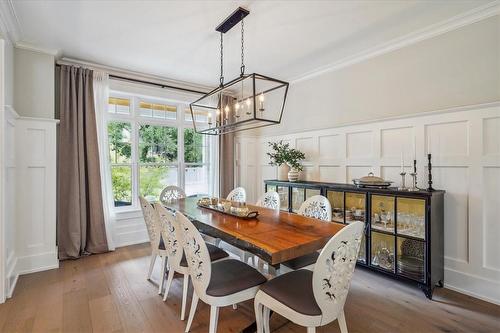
(404, 233)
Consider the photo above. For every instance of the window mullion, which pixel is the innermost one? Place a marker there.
(135, 153)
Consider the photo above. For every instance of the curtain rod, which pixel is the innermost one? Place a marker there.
(161, 85)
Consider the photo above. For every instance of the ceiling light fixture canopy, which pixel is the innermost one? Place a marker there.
(246, 102)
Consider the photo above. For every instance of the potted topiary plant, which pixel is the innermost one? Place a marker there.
(286, 159)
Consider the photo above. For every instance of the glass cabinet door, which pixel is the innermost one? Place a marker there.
(298, 195)
(411, 258)
(382, 213)
(355, 207)
(382, 249)
(312, 192)
(271, 188)
(283, 193)
(337, 201)
(411, 217)
(355, 210)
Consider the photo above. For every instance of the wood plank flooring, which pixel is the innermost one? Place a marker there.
(109, 293)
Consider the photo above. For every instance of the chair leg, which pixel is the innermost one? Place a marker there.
(259, 308)
(194, 303)
(342, 322)
(151, 265)
(184, 295)
(266, 314)
(235, 306)
(214, 318)
(162, 275)
(311, 330)
(169, 283)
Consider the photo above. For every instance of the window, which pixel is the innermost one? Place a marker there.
(152, 145)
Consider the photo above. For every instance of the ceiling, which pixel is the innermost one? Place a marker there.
(177, 39)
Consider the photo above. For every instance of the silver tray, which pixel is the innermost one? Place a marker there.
(360, 183)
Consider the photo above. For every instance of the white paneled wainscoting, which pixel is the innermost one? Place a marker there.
(465, 147)
(30, 196)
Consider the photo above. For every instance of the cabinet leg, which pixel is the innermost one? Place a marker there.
(440, 284)
(427, 291)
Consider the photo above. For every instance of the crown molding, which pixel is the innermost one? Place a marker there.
(9, 23)
(475, 15)
(133, 74)
(34, 48)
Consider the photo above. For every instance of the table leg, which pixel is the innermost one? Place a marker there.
(252, 328)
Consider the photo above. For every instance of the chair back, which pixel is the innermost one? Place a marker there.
(334, 268)
(198, 258)
(151, 220)
(317, 207)
(171, 193)
(238, 194)
(270, 199)
(171, 234)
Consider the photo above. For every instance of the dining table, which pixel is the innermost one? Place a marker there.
(275, 236)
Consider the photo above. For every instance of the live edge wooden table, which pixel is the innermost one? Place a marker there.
(274, 236)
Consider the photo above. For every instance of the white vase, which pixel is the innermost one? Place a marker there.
(293, 175)
(283, 172)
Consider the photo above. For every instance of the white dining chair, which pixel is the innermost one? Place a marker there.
(238, 194)
(314, 298)
(270, 199)
(177, 263)
(222, 283)
(171, 193)
(317, 207)
(154, 234)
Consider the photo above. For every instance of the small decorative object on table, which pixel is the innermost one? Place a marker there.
(238, 209)
(371, 181)
(283, 156)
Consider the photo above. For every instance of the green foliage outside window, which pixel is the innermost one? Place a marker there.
(157, 144)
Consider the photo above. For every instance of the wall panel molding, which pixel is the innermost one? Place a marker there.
(465, 143)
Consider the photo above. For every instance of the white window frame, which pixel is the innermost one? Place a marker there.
(135, 119)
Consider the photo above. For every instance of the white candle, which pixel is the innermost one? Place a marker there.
(209, 119)
(226, 110)
(414, 147)
(402, 161)
(429, 144)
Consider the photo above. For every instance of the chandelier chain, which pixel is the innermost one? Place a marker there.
(221, 59)
(242, 68)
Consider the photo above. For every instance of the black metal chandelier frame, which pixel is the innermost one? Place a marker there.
(223, 126)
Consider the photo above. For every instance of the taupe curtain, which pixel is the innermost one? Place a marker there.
(80, 217)
(226, 156)
(226, 164)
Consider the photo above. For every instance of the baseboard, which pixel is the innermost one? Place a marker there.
(12, 274)
(37, 263)
(473, 285)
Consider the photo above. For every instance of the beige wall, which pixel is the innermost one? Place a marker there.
(34, 84)
(461, 67)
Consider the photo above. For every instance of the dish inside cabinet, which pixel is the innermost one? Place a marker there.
(411, 256)
(355, 207)
(337, 201)
(382, 213)
(298, 194)
(411, 217)
(382, 251)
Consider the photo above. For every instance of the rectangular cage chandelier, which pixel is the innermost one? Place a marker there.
(247, 102)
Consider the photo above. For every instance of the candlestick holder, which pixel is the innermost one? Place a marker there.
(403, 182)
(414, 187)
(429, 169)
(209, 124)
(415, 169)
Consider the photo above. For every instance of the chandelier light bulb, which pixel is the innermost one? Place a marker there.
(261, 102)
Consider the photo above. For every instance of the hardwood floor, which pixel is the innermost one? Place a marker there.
(109, 293)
